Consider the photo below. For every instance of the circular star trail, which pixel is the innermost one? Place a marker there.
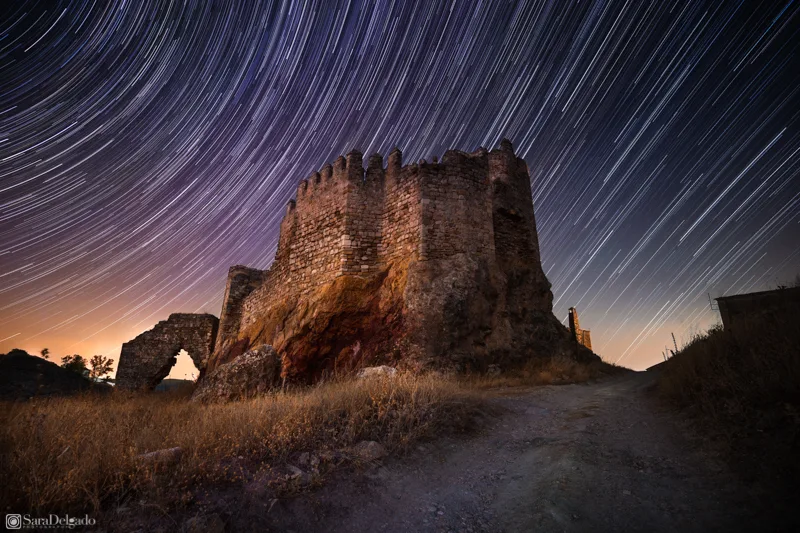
(146, 146)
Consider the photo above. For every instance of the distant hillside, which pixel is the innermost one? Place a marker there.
(173, 384)
(24, 376)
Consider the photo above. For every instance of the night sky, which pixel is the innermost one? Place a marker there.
(146, 146)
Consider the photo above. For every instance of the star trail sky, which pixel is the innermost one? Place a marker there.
(146, 146)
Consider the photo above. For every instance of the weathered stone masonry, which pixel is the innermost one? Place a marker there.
(147, 359)
(428, 264)
(581, 336)
(241, 282)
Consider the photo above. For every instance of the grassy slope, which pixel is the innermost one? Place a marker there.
(743, 389)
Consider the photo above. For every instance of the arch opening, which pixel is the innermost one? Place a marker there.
(182, 374)
(154, 355)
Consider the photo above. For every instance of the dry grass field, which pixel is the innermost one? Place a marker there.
(84, 452)
(79, 452)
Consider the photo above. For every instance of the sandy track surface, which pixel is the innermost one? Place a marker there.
(597, 457)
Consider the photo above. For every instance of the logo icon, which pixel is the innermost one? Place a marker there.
(13, 521)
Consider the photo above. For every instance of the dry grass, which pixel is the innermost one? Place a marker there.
(552, 371)
(81, 452)
(744, 388)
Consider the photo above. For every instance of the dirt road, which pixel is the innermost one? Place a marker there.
(596, 457)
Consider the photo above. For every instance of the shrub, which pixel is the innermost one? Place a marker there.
(744, 387)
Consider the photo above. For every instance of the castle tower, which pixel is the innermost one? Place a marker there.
(428, 264)
(581, 336)
(574, 325)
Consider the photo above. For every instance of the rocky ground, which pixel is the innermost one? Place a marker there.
(605, 456)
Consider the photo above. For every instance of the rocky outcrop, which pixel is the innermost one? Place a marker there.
(252, 373)
(429, 265)
(148, 358)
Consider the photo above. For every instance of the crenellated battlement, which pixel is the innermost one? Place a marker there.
(502, 163)
(348, 220)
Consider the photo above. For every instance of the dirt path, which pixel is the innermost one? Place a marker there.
(598, 457)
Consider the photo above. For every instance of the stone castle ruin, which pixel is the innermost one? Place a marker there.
(426, 265)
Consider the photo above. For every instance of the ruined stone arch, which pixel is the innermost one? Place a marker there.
(148, 359)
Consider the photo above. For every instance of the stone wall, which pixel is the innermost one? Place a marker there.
(362, 216)
(456, 207)
(327, 230)
(401, 219)
(310, 244)
(584, 338)
(241, 282)
(148, 358)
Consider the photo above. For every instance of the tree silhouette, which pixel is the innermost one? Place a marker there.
(45, 353)
(75, 363)
(99, 366)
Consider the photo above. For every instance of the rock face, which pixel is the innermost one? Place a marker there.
(148, 358)
(253, 372)
(417, 266)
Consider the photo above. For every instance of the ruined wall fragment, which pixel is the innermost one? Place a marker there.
(147, 359)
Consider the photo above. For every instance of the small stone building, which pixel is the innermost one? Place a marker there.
(739, 310)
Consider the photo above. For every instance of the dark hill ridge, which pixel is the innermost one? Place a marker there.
(169, 384)
(24, 376)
